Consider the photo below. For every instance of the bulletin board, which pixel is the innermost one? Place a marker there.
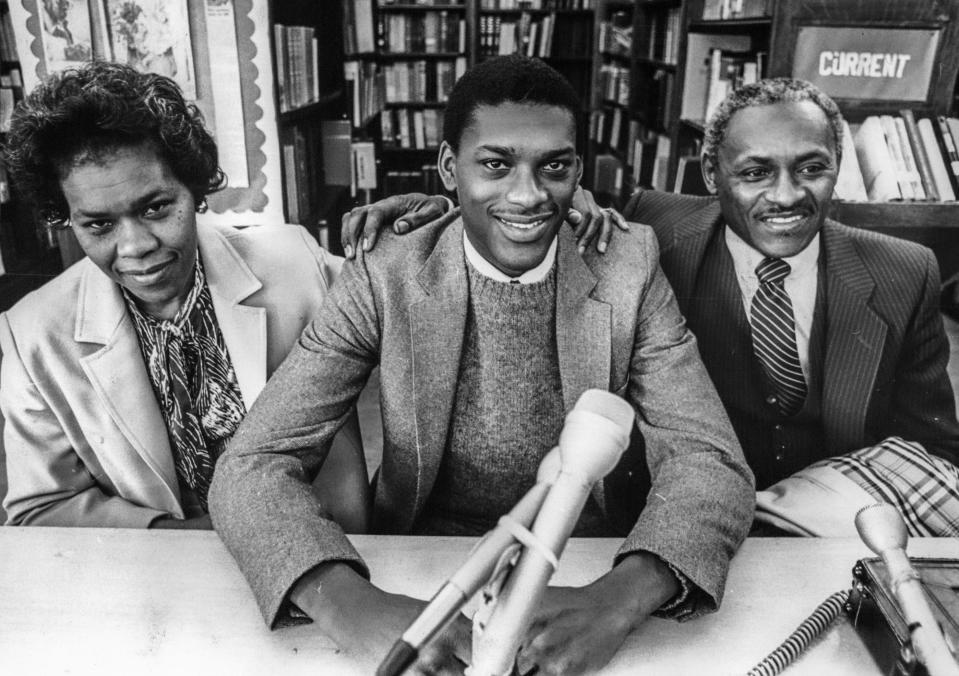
(217, 50)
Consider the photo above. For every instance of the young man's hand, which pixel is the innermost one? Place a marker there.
(579, 629)
(366, 621)
(361, 226)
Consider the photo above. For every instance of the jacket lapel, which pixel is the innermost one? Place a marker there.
(683, 255)
(583, 325)
(243, 327)
(583, 332)
(437, 327)
(119, 377)
(855, 336)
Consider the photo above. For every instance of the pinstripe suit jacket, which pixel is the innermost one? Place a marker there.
(885, 347)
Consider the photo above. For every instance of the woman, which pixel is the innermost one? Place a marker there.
(123, 379)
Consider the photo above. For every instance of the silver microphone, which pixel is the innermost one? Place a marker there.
(594, 437)
(881, 527)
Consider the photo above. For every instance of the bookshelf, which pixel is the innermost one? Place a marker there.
(633, 101)
(28, 253)
(762, 42)
(402, 59)
(312, 125)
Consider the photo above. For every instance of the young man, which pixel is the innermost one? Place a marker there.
(486, 333)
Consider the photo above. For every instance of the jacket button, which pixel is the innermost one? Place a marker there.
(778, 427)
(779, 457)
(771, 399)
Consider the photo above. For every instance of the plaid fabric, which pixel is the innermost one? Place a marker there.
(924, 488)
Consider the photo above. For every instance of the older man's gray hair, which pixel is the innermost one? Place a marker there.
(765, 93)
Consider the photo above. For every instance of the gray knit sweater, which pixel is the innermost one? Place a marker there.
(508, 411)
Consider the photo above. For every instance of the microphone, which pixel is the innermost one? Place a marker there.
(594, 437)
(471, 576)
(881, 527)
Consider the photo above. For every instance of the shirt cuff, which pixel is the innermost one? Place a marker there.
(675, 608)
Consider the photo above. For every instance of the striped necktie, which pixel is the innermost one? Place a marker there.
(774, 335)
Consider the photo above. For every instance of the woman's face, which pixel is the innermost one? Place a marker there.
(137, 222)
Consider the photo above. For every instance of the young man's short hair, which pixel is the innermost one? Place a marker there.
(506, 79)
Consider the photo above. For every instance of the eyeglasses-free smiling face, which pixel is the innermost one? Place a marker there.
(514, 174)
(137, 222)
(776, 171)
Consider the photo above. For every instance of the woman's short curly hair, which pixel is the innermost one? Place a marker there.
(766, 93)
(82, 114)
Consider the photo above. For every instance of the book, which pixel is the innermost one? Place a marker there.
(891, 136)
(875, 161)
(849, 184)
(912, 171)
(950, 151)
(937, 164)
(919, 154)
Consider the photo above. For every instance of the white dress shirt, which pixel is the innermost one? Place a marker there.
(801, 284)
(487, 269)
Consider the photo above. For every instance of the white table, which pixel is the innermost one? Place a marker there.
(103, 601)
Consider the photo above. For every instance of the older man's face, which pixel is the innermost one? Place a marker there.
(775, 175)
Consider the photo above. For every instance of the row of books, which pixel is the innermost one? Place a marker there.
(429, 32)
(533, 36)
(734, 9)
(889, 157)
(297, 65)
(11, 91)
(424, 180)
(655, 107)
(358, 34)
(421, 81)
(298, 178)
(729, 71)
(537, 4)
(664, 31)
(419, 128)
(613, 83)
(366, 86)
(616, 34)
(8, 43)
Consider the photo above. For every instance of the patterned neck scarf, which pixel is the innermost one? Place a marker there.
(194, 381)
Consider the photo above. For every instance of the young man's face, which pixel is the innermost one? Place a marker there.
(514, 174)
(137, 222)
(775, 176)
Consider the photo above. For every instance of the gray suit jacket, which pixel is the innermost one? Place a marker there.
(404, 305)
(886, 349)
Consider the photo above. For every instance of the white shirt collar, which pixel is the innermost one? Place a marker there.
(487, 269)
(746, 258)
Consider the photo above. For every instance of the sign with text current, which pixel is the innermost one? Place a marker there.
(887, 64)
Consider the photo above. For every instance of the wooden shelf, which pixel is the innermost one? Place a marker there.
(420, 56)
(310, 111)
(656, 63)
(407, 7)
(729, 25)
(571, 12)
(415, 104)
